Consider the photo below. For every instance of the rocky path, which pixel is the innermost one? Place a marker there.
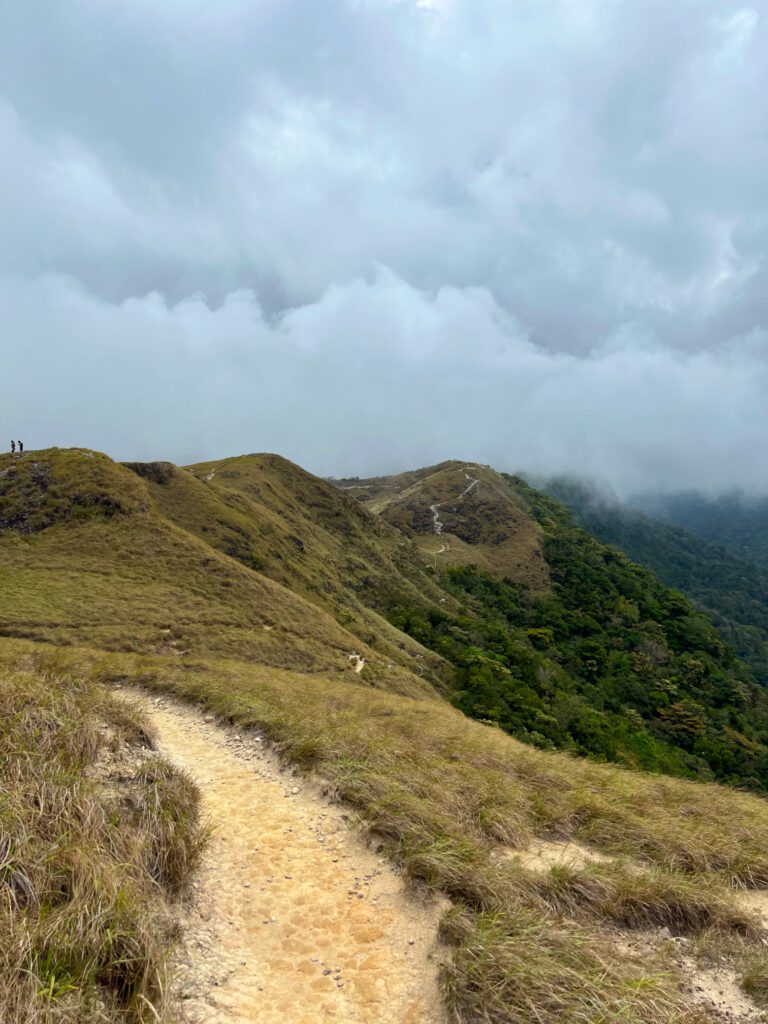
(294, 920)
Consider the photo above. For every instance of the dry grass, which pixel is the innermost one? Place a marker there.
(488, 527)
(86, 862)
(121, 576)
(447, 798)
(519, 966)
(169, 816)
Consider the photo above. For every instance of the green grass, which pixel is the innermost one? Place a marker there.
(93, 844)
(304, 533)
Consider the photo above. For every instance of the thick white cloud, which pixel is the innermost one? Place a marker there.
(375, 376)
(569, 196)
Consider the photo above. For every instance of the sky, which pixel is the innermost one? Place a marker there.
(374, 234)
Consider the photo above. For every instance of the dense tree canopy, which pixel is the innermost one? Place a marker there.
(611, 664)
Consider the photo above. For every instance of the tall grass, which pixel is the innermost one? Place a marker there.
(449, 800)
(93, 841)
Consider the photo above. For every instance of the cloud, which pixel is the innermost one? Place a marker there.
(198, 199)
(376, 376)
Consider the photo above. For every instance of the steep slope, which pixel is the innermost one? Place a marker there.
(606, 662)
(459, 514)
(86, 557)
(271, 515)
(731, 590)
(735, 520)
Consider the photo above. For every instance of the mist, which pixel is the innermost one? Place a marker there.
(377, 234)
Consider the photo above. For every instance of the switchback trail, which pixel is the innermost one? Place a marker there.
(294, 920)
(437, 523)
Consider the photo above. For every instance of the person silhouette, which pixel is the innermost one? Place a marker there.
(13, 446)
(21, 446)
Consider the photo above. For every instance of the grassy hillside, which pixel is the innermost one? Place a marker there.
(732, 591)
(272, 516)
(247, 596)
(458, 514)
(86, 556)
(457, 804)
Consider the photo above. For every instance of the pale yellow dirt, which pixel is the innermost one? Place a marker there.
(295, 920)
(715, 988)
(544, 854)
(757, 902)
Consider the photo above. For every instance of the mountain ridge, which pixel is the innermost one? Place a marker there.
(562, 878)
(517, 616)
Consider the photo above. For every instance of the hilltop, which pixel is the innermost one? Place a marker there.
(275, 518)
(358, 626)
(458, 514)
(88, 557)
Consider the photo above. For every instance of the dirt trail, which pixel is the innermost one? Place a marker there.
(294, 920)
(437, 523)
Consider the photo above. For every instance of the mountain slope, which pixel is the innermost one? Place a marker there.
(564, 878)
(86, 557)
(528, 621)
(458, 514)
(738, 522)
(273, 516)
(606, 662)
(731, 590)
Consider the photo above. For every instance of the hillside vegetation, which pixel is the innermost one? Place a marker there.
(86, 556)
(457, 803)
(97, 836)
(737, 521)
(273, 516)
(459, 513)
(606, 662)
(161, 577)
(731, 590)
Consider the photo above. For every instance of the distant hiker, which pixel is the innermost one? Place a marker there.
(21, 446)
(13, 447)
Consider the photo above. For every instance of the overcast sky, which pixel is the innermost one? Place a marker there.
(373, 234)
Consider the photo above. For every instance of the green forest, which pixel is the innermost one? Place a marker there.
(729, 588)
(612, 664)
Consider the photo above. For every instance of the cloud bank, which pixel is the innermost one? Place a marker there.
(370, 234)
(377, 375)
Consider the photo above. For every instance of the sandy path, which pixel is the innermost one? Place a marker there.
(294, 920)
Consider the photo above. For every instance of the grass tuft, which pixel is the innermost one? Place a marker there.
(84, 923)
(169, 818)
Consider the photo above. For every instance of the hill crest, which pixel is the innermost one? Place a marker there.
(461, 513)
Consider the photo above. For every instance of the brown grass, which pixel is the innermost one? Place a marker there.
(86, 862)
(446, 798)
(122, 576)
